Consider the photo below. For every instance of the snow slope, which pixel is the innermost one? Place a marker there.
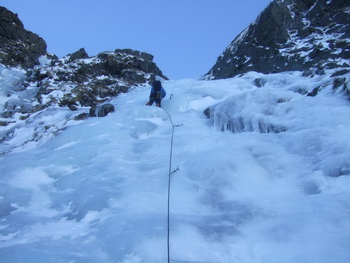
(97, 192)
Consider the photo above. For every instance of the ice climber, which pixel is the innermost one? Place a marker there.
(157, 93)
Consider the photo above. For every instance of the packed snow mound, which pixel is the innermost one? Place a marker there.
(262, 114)
(10, 83)
(275, 105)
(97, 192)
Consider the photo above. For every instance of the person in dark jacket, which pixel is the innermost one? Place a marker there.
(157, 93)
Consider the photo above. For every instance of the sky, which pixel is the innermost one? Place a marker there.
(184, 36)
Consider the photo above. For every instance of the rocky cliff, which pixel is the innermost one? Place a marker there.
(78, 80)
(303, 35)
(18, 47)
(35, 84)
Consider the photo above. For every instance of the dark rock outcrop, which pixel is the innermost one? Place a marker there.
(90, 81)
(19, 47)
(101, 110)
(80, 54)
(303, 35)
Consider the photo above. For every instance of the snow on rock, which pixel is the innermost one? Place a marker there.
(41, 95)
(76, 86)
(309, 36)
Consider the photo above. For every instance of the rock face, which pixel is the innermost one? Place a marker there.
(78, 80)
(304, 35)
(18, 46)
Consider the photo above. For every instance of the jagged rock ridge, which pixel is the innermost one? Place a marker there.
(302, 35)
(89, 81)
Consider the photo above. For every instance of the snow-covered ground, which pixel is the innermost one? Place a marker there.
(266, 179)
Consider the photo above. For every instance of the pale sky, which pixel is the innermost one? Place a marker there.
(184, 36)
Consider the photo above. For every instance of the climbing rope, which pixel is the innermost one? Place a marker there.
(169, 180)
